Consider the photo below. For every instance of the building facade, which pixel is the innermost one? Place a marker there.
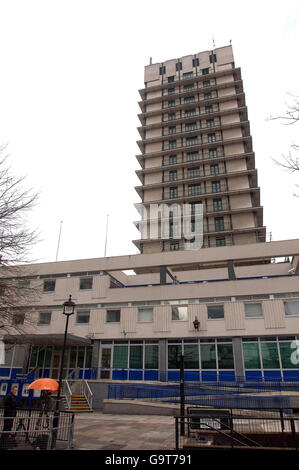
(196, 148)
(135, 327)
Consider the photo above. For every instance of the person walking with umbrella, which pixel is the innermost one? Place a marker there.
(10, 411)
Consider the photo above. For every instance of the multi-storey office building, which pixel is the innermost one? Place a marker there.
(135, 327)
(196, 148)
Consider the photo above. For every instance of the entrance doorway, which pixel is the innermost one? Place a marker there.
(106, 361)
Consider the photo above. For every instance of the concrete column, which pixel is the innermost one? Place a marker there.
(238, 357)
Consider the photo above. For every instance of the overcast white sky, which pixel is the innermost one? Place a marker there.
(70, 75)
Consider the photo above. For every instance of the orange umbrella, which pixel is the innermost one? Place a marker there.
(44, 384)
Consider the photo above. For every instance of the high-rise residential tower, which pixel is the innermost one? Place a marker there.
(196, 148)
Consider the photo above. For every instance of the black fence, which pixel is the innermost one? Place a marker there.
(203, 428)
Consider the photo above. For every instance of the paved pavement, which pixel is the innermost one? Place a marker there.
(99, 431)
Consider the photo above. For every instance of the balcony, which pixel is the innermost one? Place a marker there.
(195, 191)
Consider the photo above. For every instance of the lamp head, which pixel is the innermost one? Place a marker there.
(69, 307)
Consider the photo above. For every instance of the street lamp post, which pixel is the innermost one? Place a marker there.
(68, 310)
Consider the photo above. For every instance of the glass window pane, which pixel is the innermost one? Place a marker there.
(291, 307)
(151, 357)
(48, 356)
(81, 351)
(179, 313)
(174, 354)
(253, 310)
(113, 316)
(73, 356)
(136, 357)
(88, 357)
(33, 357)
(44, 318)
(191, 357)
(49, 286)
(145, 314)
(41, 355)
(251, 356)
(215, 312)
(270, 356)
(83, 316)
(225, 356)
(208, 356)
(286, 352)
(120, 357)
(86, 283)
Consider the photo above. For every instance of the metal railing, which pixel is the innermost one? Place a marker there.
(67, 393)
(86, 391)
(34, 429)
(205, 428)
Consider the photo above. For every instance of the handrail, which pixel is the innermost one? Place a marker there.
(68, 393)
(87, 393)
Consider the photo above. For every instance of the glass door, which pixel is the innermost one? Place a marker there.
(106, 361)
(55, 365)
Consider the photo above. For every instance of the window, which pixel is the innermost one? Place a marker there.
(172, 144)
(18, 319)
(85, 283)
(251, 356)
(210, 123)
(225, 356)
(195, 62)
(209, 109)
(187, 75)
(217, 205)
(179, 313)
(208, 356)
(113, 316)
(191, 126)
(172, 160)
(178, 66)
(83, 316)
(191, 156)
(145, 315)
(23, 286)
(215, 312)
(171, 116)
(214, 169)
(253, 310)
(189, 99)
(216, 188)
(206, 83)
(172, 130)
(220, 241)
(193, 172)
(193, 206)
(213, 58)
(191, 141)
(171, 91)
(174, 246)
(205, 71)
(162, 70)
(174, 356)
(213, 153)
(189, 87)
(291, 307)
(173, 175)
(171, 103)
(193, 189)
(190, 113)
(173, 192)
(44, 318)
(270, 356)
(207, 96)
(49, 286)
(212, 137)
(219, 224)
(170, 79)
(174, 229)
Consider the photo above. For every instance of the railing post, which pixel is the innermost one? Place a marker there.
(182, 395)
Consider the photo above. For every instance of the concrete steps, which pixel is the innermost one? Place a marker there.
(79, 404)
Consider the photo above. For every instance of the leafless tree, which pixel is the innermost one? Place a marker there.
(16, 240)
(290, 162)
